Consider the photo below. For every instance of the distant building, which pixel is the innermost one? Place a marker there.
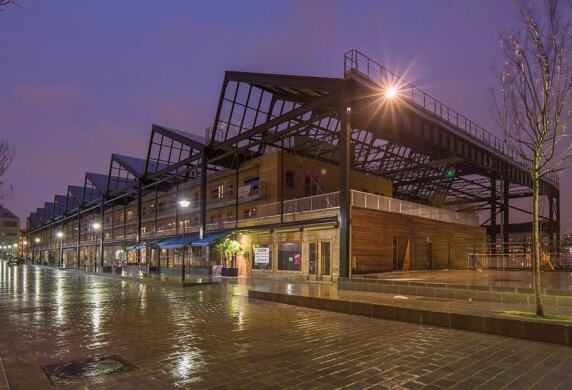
(9, 227)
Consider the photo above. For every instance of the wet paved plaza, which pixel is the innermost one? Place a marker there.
(213, 337)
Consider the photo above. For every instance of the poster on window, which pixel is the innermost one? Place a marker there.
(261, 255)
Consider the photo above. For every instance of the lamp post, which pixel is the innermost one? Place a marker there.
(60, 236)
(95, 226)
(184, 204)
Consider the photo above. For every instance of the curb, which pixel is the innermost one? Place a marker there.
(548, 332)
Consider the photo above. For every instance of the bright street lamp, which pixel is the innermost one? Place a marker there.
(37, 240)
(96, 226)
(184, 203)
(60, 235)
(391, 92)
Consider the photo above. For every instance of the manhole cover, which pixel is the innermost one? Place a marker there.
(90, 368)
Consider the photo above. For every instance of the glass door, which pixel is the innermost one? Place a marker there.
(313, 258)
(325, 263)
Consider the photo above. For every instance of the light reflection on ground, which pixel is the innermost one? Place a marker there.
(213, 335)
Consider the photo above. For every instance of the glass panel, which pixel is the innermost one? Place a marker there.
(262, 256)
(325, 257)
(313, 258)
(289, 256)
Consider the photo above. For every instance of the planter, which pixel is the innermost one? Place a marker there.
(230, 272)
(107, 268)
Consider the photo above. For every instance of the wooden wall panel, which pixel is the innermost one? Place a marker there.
(433, 244)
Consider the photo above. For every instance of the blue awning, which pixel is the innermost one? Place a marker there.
(205, 241)
(177, 242)
(143, 244)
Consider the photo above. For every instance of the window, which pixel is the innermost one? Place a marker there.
(217, 192)
(289, 179)
(310, 186)
(10, 223)
(253, 182)
(262, 256)
(290, 256)
(230, 189)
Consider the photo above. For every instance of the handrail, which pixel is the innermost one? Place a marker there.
(357, 62)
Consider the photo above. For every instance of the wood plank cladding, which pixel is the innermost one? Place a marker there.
(429, 244)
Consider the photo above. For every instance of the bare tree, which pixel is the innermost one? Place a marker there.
(533, 106)
(7, 154)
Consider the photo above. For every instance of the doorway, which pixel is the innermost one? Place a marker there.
(319, 260)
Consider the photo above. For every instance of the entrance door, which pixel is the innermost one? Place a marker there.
(313, 258)
(399, 251)
(319, 259)
(429, 254)
(325, 263)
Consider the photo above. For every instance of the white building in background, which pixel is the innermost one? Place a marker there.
(9, 227)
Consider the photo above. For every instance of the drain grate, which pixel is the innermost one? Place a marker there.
(86, 369)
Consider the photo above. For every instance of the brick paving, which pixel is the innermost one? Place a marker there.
(213, 337)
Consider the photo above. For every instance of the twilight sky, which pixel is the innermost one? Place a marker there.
(80, 80)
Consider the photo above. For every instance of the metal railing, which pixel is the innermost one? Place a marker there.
(356, 62)
(518, 256)
(392, 205)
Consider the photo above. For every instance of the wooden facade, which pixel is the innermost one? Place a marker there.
(384, 242)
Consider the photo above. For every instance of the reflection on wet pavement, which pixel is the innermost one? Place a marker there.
(212, 335)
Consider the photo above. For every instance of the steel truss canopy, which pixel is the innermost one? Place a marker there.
(431, 153)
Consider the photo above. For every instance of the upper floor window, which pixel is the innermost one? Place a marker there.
(253, 182)
(310, 186)
(217, 192)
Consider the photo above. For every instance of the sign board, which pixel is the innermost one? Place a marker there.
(261, 255)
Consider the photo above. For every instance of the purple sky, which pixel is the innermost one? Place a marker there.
(80, 80)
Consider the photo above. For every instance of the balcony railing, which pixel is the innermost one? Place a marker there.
(391, 205)
(356, 62)
(297, 210)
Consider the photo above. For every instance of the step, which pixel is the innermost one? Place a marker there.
(556, 298)
(537, 330)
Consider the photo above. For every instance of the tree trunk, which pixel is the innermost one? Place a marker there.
(536, 264)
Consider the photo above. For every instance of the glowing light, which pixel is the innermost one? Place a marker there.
(96, 226)
(451, 174)
(391, 92)
(37, 239)
(184, 203)
(59, 235)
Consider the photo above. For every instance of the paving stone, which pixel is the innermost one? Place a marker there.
(215, 337)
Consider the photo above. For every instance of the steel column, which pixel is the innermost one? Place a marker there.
(558, 220)
(102, 234)
(139, 216)
(203, 195)
(78, 249)
(345, 193)
(493, 210)
(505, 214)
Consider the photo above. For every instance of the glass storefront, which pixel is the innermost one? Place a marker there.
(290, 256)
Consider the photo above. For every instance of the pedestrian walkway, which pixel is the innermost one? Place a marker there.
(468, 314)
(213, 336)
